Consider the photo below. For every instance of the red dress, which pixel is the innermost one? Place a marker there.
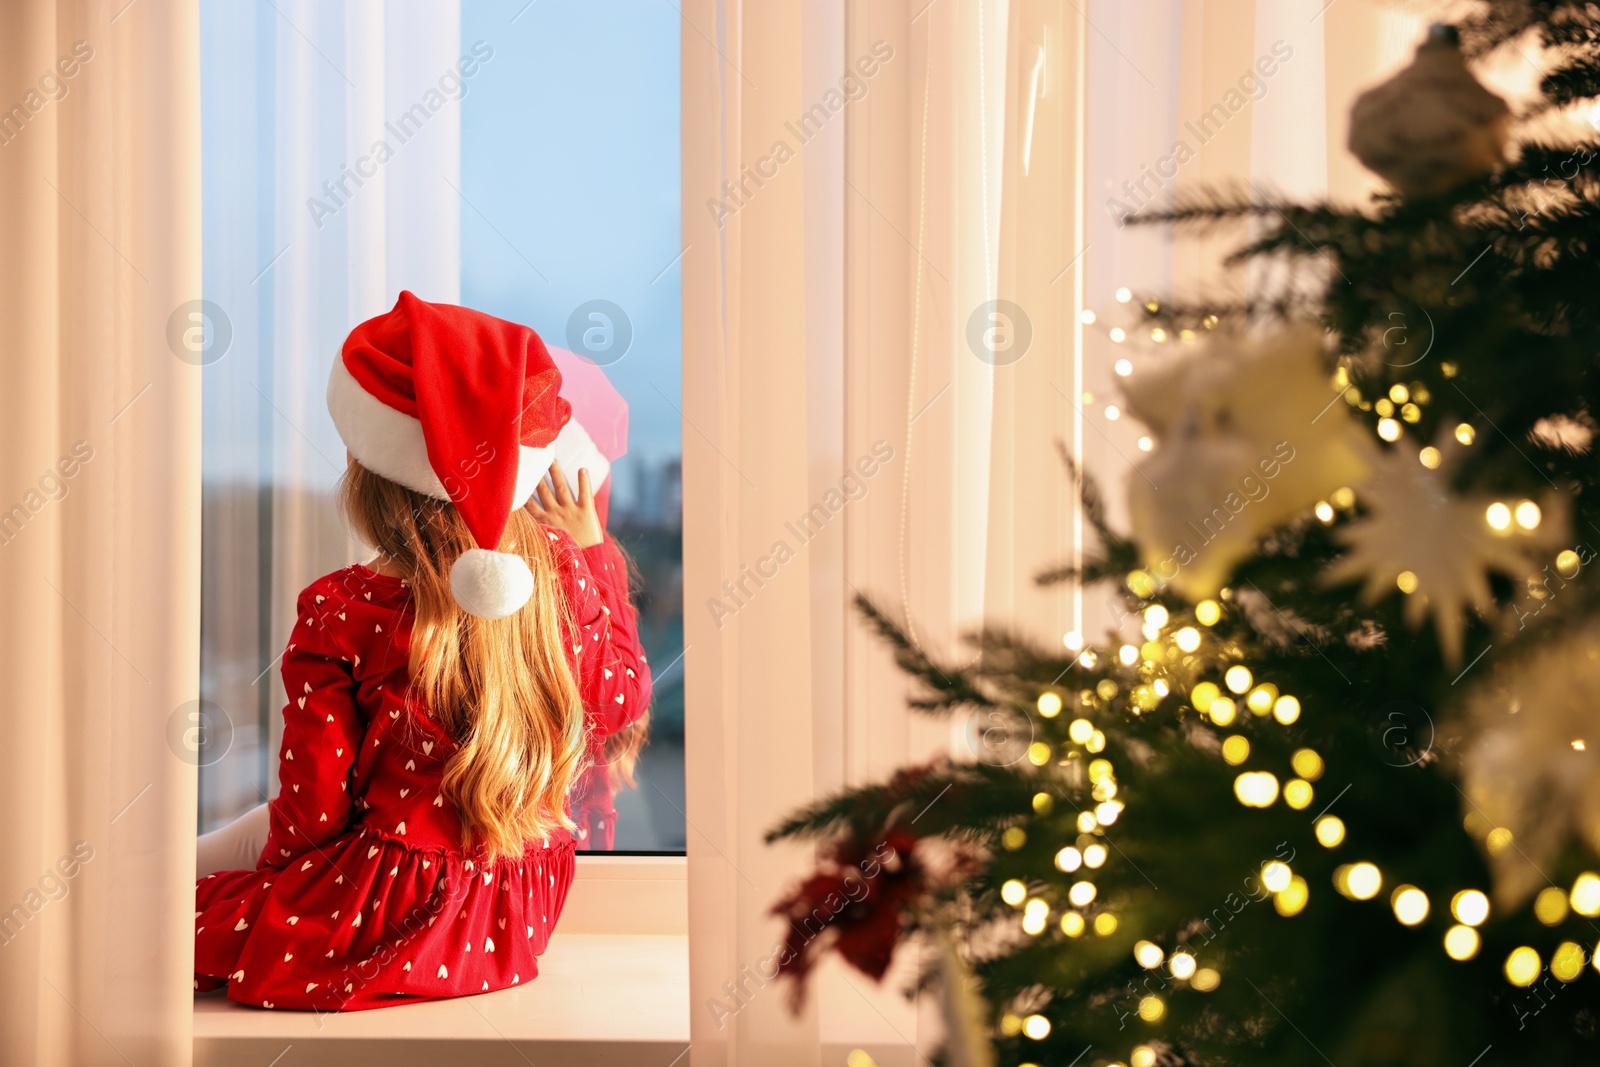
(363, 895)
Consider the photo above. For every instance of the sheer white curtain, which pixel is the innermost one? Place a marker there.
(830, 301)
(99, 528)
(311, 228)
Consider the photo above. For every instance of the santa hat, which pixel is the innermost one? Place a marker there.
(465, 407)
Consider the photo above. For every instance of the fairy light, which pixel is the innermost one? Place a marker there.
(1291, 899)
(1528, 515)
(1383, 406)
(1586, 895)
(1072, 924)
(1117, 334)
(1038, 753)
(1498, 515)
(1096, 742)
(1523, 966)
(1324, 511)
(1043, 802)
(1187, 639)
(1013, 892)
(1429, 457)
(1128, 655)
(1073, 640)
(1276, 875)
(1297, 793)
(1566, 963)
(1152, 1008)
(1181, 965)
(1203, 694)
(1399, 393)
(1113, 412)
(1286, 710)
(1124, 294)
(1410, 905)
(1461, 942)
(1389, 429)
(1207, 612)
(1049, 705)
(1343, 497)
(1088, 659)
(1094, 856)
(1080, 730)
(1307, 764)
(1069, 859)
(1330, 831)
(1205, 979)
(1237, 678)
(1142, 1056)
(1550, 906)
(1035, 916)
(1145, 444)
(1036, 1027)
(1256, 789)
(1406, 581)
(1158, 335)
(1358, 881)
(1081, 894)
(1148, 954)
(1123, 367)
(1087, 317)
(1236, 749)
(1105, 924)
(1470, 907)
(1107, 812)
(1222, 711)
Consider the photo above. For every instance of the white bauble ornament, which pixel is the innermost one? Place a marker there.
(1437, 548)
(1530, 763)
(1248, 438)
(1432, 126)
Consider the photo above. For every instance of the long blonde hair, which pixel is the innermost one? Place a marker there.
(501, 688)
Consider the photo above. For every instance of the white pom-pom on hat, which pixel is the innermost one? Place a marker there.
(490, 585)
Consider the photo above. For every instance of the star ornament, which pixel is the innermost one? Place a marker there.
(1437, 549)
(1250, 436)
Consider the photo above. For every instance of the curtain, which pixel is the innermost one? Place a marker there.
(100, 531)
(928, 260)
(308, 232)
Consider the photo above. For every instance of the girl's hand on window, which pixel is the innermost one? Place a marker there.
(554, 505)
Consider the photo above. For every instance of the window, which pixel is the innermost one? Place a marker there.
(530, 170)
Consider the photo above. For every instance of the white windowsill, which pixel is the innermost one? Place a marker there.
(612, 991)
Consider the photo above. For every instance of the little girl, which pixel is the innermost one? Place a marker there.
(443, 700)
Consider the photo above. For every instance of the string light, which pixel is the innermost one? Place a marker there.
(1105, 924)
(1148, 954)
(1297, 793)
(1523, 966)
(1498, 516)
(1080, 730)
(1181, 965)
(1307, 764)
(1286, 710)
(1035, 916)
(1094, 856)
(1081, 894)
(1470, 907)
(1410, 905)
(1049, 705)
(1586, 895)
(1207, 612)
(1187, 640)
(1465, 433)
(1358, 881)
(1550, 906)
(1069, 859)
(1256, 789)
(1461, 942)
(1072, 924)
(1235, 749)
(1275, 876)
(1142, 1056)
(1013, 892)
(1330, 831)
(1291, 900)
(1566, 963)
(1389, 429)
(1237, 678)
(1036, 1027)
(1528, 515)
(1205, 980)
(1222, 711)
(1152, 1008)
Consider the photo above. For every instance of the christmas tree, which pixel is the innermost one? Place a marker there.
(1336, 801)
